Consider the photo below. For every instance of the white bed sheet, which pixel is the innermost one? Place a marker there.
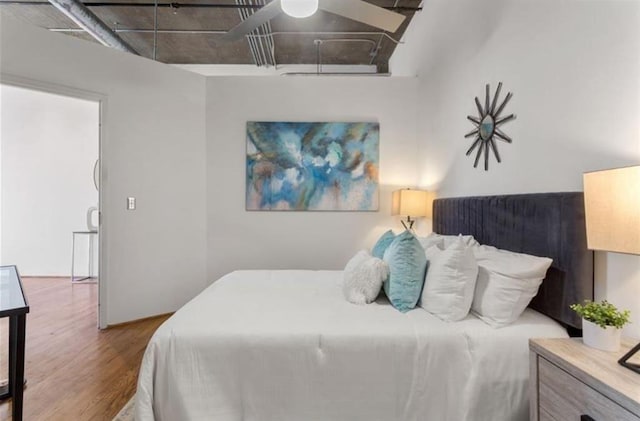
(286, 345)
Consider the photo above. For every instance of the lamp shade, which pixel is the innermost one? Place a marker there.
(612, 206)
(407, 202)
(299, 8)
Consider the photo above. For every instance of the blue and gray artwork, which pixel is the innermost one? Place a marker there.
(312, 166)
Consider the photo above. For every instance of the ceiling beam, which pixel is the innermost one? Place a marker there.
(87, 20)
(178, 5)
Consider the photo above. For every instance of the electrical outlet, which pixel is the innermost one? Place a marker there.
(131, 203)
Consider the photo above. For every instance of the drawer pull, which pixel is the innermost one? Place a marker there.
(586, 418)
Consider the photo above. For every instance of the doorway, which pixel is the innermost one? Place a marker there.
(49, 188)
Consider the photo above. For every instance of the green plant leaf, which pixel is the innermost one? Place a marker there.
(602, 313)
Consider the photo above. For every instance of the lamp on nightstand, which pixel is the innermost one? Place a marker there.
(612, 207)
(410, 203)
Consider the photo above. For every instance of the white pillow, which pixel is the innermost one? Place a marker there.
(450, 282)
(430, 241)
(444, 241)
(507, 282)
(363, 278)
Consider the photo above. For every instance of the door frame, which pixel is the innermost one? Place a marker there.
(101, 99)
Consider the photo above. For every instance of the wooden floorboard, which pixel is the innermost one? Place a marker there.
(74, 371)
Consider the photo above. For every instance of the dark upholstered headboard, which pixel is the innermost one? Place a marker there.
(548, 224)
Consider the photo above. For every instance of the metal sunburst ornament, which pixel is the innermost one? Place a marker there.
(487, 124)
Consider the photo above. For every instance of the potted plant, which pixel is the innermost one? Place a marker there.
(602, 323)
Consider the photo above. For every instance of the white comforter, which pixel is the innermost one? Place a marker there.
(285, 345)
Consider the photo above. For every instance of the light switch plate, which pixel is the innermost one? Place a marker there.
(131, 203)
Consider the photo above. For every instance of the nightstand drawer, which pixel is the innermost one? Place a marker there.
(562, 397)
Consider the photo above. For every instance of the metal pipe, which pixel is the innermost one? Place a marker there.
(258, 41)
(379, 45)
(155, 30)
(335, 74)
(271, 44)
(147, 31)
(370, 41)
(241, 13)
(256, 47)
(264, 41)
(255, 41)
(318, 43)
(260, 44)
(222, 32)
(244, 13)
(373, 33)
(179, 5)
(88, 21)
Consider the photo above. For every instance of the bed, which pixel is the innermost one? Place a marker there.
(285, 345)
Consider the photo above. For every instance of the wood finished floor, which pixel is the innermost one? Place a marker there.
(74, 371)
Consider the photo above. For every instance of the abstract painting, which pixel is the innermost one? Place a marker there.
(312, 166)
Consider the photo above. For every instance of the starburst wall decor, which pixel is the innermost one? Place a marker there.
(487, 123)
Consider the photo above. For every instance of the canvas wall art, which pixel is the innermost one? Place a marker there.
(312, 166)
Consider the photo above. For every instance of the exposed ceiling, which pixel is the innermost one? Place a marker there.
(191, 32)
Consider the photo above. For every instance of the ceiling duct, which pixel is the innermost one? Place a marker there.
(87, 20)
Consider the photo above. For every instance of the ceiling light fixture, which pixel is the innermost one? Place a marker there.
(299, 8)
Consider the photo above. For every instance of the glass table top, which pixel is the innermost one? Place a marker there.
(11, 294)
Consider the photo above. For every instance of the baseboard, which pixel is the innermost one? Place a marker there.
(144, 319)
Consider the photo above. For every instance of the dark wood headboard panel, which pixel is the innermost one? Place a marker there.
(548, 224)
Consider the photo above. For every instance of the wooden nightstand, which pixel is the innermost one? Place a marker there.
(570, 381)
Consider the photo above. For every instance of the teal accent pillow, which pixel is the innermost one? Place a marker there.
(407, 269)
(381, 245)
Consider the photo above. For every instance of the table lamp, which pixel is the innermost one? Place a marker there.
(612, 210)
(410, 203)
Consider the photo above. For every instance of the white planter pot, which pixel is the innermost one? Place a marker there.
(596, 337)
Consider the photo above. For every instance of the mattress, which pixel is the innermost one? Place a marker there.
(286, 345)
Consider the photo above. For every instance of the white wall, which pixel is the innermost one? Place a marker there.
(153, 148)
(573, 66)
(238, 239)
(574, 69)
(49, 146)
